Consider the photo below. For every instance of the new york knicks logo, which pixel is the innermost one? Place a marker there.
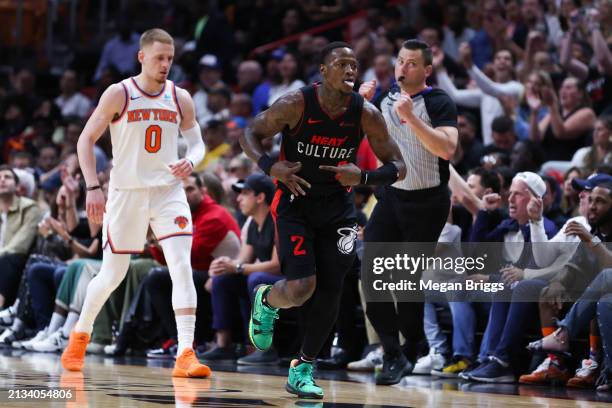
(346, 242)
(181, 222)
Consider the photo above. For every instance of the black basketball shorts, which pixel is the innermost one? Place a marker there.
(315, 235)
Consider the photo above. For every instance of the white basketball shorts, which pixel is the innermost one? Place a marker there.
(129, 213)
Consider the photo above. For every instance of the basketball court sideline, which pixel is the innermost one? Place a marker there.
(138, 382)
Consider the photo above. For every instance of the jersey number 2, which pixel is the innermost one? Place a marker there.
(299, 240)
(153, 139)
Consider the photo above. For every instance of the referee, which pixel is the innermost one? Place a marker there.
(423, 122)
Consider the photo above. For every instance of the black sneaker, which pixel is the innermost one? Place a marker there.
(394, 368)
(166, 351)
(465, 374)
(336, 362)
(220, 355)
(260, 358)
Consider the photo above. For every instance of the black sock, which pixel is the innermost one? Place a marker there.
(264, 300)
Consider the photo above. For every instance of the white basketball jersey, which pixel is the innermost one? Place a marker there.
(145, 138)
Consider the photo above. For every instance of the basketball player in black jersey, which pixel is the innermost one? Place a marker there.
(313, 207)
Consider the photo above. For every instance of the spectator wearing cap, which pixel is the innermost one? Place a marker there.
(19, 217)
(525, 211)
(569, 283)
(527, 187)
(262, 92)
(215, 138)
(234, 279)
(560, 248)
(209, 76)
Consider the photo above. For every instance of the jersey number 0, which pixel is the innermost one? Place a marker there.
(153, 139)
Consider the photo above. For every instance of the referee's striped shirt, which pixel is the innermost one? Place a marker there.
(424, 169)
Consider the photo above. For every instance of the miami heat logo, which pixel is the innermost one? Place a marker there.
(346, 242)
(181, 222)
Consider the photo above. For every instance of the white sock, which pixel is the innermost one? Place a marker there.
(71, 320)
(57, 321)
(185, 326)
(113, 270)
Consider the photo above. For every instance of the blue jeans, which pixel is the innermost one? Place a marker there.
(465, 319)
(604, 318)
(43, 280)
(583, 311)
(507, 320)
(435, 338)
(231, 297)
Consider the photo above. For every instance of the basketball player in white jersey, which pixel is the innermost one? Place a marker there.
(145, 114)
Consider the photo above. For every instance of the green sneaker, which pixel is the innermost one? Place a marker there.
(261, 324)
(301, 383)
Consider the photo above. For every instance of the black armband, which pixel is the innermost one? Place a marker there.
(265, 163)
(385, 174)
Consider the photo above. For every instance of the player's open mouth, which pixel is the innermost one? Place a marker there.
(349, 83)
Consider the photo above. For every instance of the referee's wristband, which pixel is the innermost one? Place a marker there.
(92, 188)
(265, 163)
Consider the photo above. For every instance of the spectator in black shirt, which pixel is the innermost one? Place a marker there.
(235, 279)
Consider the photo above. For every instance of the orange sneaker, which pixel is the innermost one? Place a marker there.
(188, 365)
(586, 376)
(546, 373)
(73, 357)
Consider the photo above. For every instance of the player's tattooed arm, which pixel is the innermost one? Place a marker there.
(383, 146)
(287, 111)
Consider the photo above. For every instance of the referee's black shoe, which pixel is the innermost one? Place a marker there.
(393, 369)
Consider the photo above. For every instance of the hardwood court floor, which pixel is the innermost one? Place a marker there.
(118, 383)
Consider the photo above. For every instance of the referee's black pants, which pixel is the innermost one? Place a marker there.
(404, 216)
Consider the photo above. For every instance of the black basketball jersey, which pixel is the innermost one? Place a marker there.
(320, 139)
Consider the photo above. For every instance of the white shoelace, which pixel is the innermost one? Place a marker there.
(588, 366)
(544, 365)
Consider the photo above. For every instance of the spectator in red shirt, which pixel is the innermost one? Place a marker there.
(215, 234)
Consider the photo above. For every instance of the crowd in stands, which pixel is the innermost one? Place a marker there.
(533, 83)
